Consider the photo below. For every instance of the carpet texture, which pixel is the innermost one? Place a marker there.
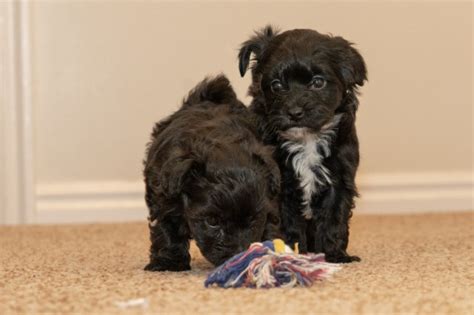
(410, 264)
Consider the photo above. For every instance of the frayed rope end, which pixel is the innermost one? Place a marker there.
(271, 264)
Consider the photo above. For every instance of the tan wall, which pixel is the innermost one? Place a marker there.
(103, 72)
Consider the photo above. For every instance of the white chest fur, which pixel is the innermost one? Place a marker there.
(307, 151)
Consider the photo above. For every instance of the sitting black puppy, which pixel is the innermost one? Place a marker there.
(304, 88)
(210, 178)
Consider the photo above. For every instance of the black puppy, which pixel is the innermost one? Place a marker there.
(210, 178)
(304, 88)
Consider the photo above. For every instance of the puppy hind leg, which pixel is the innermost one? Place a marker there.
(330, 232)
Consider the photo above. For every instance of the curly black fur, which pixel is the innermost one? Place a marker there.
(209, 177)
(309, 115)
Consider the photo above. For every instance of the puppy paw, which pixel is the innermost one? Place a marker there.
(345, 259)
(163, 265)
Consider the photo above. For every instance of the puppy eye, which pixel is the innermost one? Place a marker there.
(276, 86)
(317, 83)
(212, 222)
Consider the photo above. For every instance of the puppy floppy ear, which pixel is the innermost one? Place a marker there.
(174, 173)
(350, 63)
(256, 45)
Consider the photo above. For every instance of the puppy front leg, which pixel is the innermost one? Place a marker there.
(294, 227)
(169, 234)
(329, 230)
(272, 228)
(169, 245)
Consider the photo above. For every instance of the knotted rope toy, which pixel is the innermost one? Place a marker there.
(271, 264)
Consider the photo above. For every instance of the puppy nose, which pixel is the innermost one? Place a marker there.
(296, 112)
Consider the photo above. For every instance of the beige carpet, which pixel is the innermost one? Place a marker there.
(411, 264)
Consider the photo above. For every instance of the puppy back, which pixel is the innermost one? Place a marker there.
(217, 90)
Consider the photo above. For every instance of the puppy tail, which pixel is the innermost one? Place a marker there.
(216, 90)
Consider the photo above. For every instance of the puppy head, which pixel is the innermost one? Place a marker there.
(301, 77)
(226, 208)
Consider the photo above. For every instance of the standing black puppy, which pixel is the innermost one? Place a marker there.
(209, 177)
(304, 88)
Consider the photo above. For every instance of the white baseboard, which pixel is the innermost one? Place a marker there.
(416, 192)
(105, 201)
(91, 201)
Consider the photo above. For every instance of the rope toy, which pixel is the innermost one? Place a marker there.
(271, 264)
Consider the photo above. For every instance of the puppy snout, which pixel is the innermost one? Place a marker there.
(296, 112)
